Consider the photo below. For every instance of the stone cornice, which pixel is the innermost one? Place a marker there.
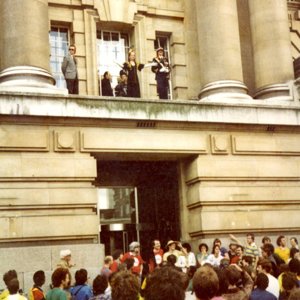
(243, 112)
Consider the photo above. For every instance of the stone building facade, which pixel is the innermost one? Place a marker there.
(221, 156)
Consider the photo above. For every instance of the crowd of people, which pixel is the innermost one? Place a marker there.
(241, 271)
(128, 85)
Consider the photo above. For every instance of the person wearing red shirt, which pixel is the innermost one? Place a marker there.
(134, 252)
(157, 257)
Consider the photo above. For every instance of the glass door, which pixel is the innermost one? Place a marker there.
(119, 220)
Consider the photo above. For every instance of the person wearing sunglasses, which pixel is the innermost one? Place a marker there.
(69, 69)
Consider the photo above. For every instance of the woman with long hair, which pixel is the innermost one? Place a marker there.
(131, 67)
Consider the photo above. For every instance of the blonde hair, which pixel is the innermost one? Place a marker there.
(129, 53)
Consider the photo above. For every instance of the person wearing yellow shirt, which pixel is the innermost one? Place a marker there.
(7, 277)
(282, 251)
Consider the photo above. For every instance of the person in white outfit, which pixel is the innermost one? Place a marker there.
(215, 257)
(265, 266)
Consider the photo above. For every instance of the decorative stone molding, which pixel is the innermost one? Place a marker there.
(219, 144)
(144, 140)
(224, 87)
(23, 139)
(28, 79)
(273, 90)
(265, 144)
(116, 10)
(64, 141)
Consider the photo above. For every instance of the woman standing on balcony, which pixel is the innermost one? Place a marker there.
(131, 67)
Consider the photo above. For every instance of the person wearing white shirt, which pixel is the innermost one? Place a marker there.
(215, 258)
(265, 266)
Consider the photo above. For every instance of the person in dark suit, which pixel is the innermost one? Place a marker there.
(105, 84)
(162, 73)
(69, 69)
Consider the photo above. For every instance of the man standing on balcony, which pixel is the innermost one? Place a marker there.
(162, 73)
(69, 69)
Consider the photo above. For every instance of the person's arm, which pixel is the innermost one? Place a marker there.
(246, 279)
(140, 67)
(64, 65)
(182, 249)
(232, 237)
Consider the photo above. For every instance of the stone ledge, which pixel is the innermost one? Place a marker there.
(250, 112)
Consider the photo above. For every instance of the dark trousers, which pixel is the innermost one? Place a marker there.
(72, 86)
(162, 86)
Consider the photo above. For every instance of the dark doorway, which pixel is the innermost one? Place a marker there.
(157, 193)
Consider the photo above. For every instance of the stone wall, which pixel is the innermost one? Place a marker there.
(27, 260)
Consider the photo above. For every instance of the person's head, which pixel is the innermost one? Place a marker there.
(294, 242)
(100, 284)
(60, 278)
(123, 76)
(160, 52)
(81, 277)
(281, 241)
(72, 49)
(294, 266)
(216, 250)
(262, 281)
(217, 242)
(65, 255)
(264, 265)
(233, 275)
(108, 260)
(267, 250)
(223, 283)
(293, 252)
(171, 245)
(239, 250)
(124, 286)
(289, 281)
(224, 263)
(247, 260)
(156, 245)
(165, 283)
(117, 254)
(134, 247)
(171, 259)
(107, 75)
(205, 283)
(129, 262)
(233, 247)
(39, 278)
(250, 238)
(187, 247)
(131, 55)
(9, 275)
(266, 240)
(13, 286)
(203, 248)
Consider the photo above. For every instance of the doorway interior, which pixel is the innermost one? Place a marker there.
(152, 205)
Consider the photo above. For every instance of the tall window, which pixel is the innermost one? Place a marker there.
(58, 49)
(163, 40)
(112, 49)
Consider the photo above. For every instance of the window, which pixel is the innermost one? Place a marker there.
(58, 49)
(162, 40)
(112, 49)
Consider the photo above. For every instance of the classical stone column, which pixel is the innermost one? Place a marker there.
(24, 40)
(219, 49)
(271, 47)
